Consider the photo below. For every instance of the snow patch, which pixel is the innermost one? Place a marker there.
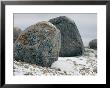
(63, 65)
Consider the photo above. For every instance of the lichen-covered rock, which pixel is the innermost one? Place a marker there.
(71, 42)
(16, 32)
(93, 44)
(38, 44)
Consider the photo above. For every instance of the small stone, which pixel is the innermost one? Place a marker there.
(93, 44)
(38, 44)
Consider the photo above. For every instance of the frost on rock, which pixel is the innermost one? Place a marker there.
(80, 65)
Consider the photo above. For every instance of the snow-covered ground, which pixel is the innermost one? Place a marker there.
(80, 65)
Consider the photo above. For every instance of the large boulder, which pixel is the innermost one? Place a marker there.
(71, 42)
(16, 32)
(93, 44)
(38, 44)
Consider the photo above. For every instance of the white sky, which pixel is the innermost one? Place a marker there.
(86, 23)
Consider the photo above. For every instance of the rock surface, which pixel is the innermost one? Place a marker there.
(71, 42)
(38, 44)
(93, 44)
(16, 32)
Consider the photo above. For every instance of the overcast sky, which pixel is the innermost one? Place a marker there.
(86, 23)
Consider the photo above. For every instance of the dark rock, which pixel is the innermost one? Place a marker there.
(71, 42)
(38, 44)
(93, 44)
(16, 32)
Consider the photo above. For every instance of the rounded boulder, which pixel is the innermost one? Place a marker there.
(38, 44)
(71, 42)
(93, 44)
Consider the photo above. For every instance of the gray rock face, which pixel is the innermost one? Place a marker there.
(38, 44)
(16, 32)
(93, 44)
(71, 42)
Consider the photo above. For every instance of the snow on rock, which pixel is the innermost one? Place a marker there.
(80, 65)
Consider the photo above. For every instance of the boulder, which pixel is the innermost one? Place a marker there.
(71, 42)
(16, 32)
(38, 44)
(93, 44)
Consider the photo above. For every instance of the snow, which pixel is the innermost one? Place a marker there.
(80, 65)
(63, 65)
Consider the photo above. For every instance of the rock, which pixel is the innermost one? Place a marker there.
(38, 44)
(16, 32)
(93, 44)
(71, 42)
